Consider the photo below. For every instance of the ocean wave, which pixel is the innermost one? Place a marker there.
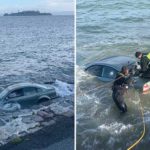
(114, 128)
(63, 88)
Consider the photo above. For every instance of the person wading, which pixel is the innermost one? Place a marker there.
(144, 63)
(119, 88)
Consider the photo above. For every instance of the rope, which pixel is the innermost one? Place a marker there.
(142, 114)
(98, 87)
(143, 133)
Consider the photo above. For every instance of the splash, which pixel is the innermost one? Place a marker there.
(63, 89)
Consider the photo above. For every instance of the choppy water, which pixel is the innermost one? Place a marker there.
(107, 28)
(35, 49)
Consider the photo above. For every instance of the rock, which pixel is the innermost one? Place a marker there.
(45, 114)
(32, 130)
(23, 133)
(32, 119)
(60, 110)
(37, 118)
(69, 113)
(47, 110)
(51, 122)
(27, 119)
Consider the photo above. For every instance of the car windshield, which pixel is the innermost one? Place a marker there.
(95, 70)
(15, 93)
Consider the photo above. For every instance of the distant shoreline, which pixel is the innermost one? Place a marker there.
(28, 13)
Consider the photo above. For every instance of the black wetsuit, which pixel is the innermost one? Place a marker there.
(145, 68)
(119, 89)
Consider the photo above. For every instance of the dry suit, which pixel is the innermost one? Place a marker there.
(119, 88)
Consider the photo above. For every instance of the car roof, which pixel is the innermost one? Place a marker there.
(115, 61)
(21, 85)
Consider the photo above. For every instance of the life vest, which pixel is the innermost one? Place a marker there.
(148, 56)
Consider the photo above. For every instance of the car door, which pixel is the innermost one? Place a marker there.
(16, 95)
(31, 94)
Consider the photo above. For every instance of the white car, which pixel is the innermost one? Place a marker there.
(27, 93)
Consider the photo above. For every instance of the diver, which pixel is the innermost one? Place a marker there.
(120, 86)
(144, 63)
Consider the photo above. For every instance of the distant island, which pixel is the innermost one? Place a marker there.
(28, 13)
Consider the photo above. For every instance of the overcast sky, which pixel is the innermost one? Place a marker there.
(53, 6)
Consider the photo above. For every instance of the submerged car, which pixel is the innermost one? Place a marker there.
(107, 69)
(27, 93)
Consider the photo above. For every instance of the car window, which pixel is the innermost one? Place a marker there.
(39, 90)
(95, 70)
(15, 94)
(29, 91)
(109, 72)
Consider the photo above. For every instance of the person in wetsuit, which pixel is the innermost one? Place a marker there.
(144, 63)
(119, 88)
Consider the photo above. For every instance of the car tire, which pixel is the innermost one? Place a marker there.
(43, 100)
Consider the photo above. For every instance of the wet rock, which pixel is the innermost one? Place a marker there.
(31, 119)
(61, 110)
(26, 112)
(45, 114)
(69, 113)
(47, 110)
(27, 119)
(32, 130)
(23, 133)
(49, 123)
(37, 118)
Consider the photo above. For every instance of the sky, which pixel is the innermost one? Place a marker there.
(53, 6)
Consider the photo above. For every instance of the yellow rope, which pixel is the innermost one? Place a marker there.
(142, 113)
(143, 133)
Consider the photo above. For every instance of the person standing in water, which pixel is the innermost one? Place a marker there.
(119, 88)
(144, 63)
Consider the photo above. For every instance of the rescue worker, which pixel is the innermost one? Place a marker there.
(119, 88)
(144, 63)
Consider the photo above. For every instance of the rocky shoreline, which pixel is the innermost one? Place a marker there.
(50, 137)
(28, 121)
